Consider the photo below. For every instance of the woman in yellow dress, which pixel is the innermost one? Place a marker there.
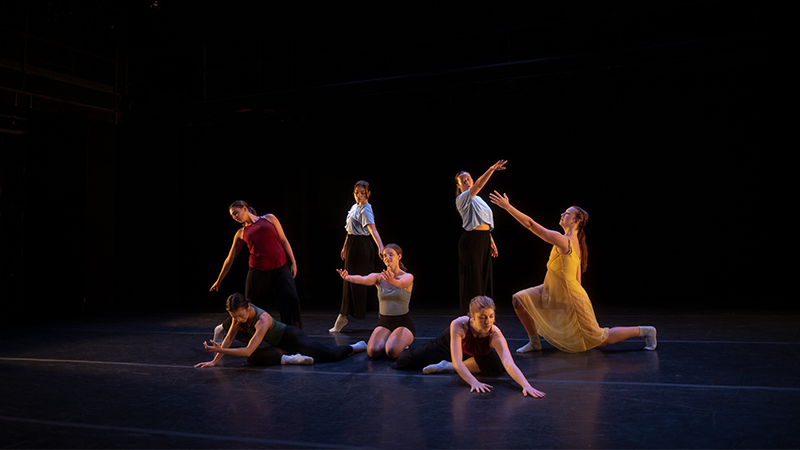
(560, 310)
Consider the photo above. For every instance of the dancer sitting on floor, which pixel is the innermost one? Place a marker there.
(395, 330)
(472, 344)
(287, 344)
(560, 310)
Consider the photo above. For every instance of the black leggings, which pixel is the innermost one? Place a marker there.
(438, 349)
(275, 287)
(294, 340)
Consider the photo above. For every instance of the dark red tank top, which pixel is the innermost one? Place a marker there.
(475, 346)
(266, 251)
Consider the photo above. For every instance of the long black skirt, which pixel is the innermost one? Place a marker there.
(474, 267)
(361, 257)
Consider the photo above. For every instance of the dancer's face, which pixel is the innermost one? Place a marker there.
(568, 217)
(390, 257)
(483, 320)
(238, 214)
(361, 195)
(241, 315)
(465, 182)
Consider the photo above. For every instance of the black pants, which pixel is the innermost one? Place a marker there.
(294, 340)
(438, 349)
(474, 267)
(275, 287)
(360, 256)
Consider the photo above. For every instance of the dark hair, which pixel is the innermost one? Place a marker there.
(236, 302)
(583, 217)
(399, 251)
(242, 204)
(363, 184)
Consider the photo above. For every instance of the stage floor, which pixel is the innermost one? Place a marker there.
(715, 381)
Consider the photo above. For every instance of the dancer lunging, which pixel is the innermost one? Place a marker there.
(559, 309)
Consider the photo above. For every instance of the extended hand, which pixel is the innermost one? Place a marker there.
(343, 273)
(214, 347)
(497, 199)
(499, 165)
(214, 287)
(205, 364)
(532, 392)
(480, 387)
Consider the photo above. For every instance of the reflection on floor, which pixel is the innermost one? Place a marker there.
(715, 381)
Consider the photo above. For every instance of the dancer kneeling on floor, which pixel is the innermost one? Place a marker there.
(287, 344)
(559, 309)
(395, 330)
(472, 344)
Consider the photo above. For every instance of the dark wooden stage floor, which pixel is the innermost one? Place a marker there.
(715, 381)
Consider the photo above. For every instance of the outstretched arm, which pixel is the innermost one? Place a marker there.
(481, 181)
(549, 236)
(226, 266)
(224, 344)
(263, 324)
(367, 280)
(501, 346)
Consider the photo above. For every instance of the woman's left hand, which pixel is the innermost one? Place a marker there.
(532, 392)
(388, 276)
(499, 200)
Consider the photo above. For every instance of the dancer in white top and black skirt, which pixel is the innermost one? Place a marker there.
(360, 257)
(476, 248)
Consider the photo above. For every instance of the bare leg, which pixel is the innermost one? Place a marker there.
(377, 342)
(618, 334)
(530, 327)
(472, 365)
(398, 341)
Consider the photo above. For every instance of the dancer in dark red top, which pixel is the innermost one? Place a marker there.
(472, 344)
(272, 264)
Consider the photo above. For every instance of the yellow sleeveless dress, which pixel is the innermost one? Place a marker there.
(561, 308)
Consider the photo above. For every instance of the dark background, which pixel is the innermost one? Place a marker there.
(128, 128)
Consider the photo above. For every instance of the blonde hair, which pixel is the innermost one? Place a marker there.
(480, 303)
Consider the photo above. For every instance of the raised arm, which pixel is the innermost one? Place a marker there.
(481, 181)
(226, 266)
(549, 236)
(456, 354)
(287, 248)
(501, 346)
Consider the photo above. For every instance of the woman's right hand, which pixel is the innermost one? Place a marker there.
(343, 273)
(215, 287)
(205, 364)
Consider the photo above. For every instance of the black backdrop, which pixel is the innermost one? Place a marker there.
(681, 159)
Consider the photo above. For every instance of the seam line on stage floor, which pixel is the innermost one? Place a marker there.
(405, 374)
(172, 433)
